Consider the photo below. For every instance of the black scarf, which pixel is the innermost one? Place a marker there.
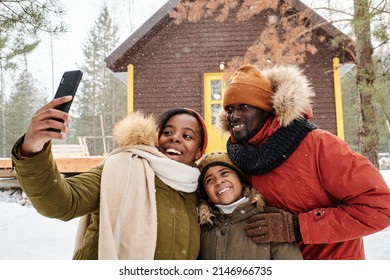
(262, 158)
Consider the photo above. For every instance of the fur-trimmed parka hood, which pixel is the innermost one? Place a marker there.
(136, 129)
(205, 211)
(291, 98)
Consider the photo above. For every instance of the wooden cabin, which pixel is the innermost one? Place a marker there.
(168, 65)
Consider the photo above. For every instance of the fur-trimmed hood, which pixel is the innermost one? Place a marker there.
(291, 98)
(205, 212)
(136, 129)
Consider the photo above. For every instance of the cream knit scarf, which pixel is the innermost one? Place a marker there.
(128, 211)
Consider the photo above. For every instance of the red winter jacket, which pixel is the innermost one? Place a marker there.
(339, 196)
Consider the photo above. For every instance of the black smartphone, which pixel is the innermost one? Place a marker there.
(68, 86)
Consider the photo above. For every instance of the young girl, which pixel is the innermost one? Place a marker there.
(227, 204)
(130, 204)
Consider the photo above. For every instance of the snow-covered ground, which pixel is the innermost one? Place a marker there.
(27, 235)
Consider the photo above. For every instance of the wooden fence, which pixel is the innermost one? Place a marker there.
(67, 166)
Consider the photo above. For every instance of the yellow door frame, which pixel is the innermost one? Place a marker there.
(130, 88)
(338, 98)
(216, 139)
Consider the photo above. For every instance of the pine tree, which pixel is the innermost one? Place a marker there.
(12, 46)
(381, 103)
(101, 99)
(31, 16)
(366, 89)
(23, 102)
(21, 21)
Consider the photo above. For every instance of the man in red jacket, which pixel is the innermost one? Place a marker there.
(332, 196)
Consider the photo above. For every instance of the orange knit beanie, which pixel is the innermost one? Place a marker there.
(249, 87)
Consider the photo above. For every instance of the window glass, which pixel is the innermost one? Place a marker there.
(215, 108)
(216, 90)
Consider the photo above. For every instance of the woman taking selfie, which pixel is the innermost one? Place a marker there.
(140, 203)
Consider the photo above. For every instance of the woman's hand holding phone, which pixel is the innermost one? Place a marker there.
(49, 122)
(43, 126)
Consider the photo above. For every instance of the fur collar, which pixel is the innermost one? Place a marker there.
(136, 129)
(205, 209)
(292, 95)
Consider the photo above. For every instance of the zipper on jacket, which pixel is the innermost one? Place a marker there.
(222, 239)
(224, 229)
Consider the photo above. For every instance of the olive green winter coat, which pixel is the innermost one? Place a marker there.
(223, 236)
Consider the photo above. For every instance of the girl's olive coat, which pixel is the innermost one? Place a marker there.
(223, 236)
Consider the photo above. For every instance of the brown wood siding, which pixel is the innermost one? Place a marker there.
(319, 70)
(169, 68)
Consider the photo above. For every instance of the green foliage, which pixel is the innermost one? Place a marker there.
(20, 22)
(102, 97)
(381, 102)
(31, 16)
(381, 32)
(24, 100)
(349, 92)
(12, 46)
